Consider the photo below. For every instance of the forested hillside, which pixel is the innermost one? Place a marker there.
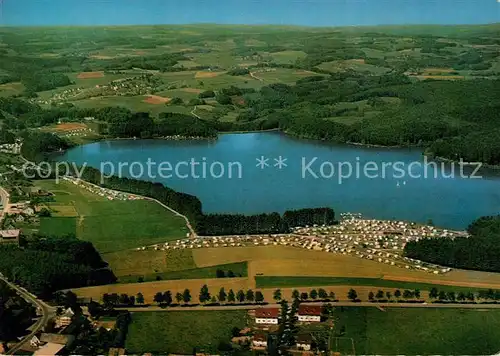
(436, 87)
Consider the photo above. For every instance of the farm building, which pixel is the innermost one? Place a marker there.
(65, 319)
(309, 313)
(259, 341)
(304, 342)
(267, 316)
(7, 236)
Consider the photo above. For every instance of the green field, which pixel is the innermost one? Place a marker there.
(239, 269)
(182, 332)
(293, 281)
(429, 331)
(110, 225)
(133, 103)
(58, 226)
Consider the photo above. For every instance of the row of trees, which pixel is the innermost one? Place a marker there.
(386, 296)
(314, 294)
(226, 224)
(480, 251)
(167, 298)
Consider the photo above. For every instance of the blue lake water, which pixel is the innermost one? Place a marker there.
(384, 183)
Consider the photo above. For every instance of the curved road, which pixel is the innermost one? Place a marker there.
(45, 309)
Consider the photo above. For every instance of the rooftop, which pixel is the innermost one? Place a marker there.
(304, 339)
(310, 310)
(56, 338)
(10, 234)
(49, 349)
(267, 312)
(260, 337)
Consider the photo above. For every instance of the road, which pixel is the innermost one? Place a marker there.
(5, 201)
(193, 112)
(46, 310)
(336, 304)
(252, 74)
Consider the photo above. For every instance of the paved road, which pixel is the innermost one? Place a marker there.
(337, 304)
(5, 201)
(46, 310)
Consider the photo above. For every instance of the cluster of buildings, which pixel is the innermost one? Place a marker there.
(76, 132)
(14, 148)
(10, 236)
(137, 85)
(19, 213)
(267, 318)
(58, 339)
(377, 240)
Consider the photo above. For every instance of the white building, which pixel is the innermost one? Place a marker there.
(304, 342)
(259, 341)
(309, 313)
(267, 316)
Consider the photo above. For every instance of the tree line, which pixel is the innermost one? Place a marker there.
(479, 251)
(185, 297)
(228, 224)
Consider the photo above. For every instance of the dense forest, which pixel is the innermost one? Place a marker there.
(16, 315)
(450, 119)
(48, 264)
(480, 251)
(37, 145)
(226, 224)
(453, 119)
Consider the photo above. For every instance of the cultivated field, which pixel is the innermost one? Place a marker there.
(289, 261)
(70, 126)
(271, 267)
(199, 75)
(173, 264)
(90, 75)
(155, 100)
(149, 289)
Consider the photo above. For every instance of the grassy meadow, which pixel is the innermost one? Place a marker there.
(429, 331)
(182, 332)
(109, 225)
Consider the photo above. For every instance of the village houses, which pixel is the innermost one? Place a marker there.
(259, 341)
(309, 313)
(304, 342)
(267, 316)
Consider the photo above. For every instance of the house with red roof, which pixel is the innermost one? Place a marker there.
(309, 313)
(267, 316)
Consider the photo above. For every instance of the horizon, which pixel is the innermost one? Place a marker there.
(308, 13)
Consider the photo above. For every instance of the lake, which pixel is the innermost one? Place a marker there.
(243, 173)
